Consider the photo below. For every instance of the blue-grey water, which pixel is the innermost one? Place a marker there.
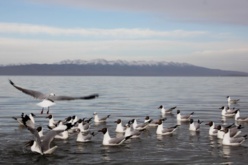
(125, 98)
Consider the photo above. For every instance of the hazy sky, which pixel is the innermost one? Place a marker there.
(209, 33)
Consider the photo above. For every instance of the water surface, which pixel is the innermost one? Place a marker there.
(125, 98)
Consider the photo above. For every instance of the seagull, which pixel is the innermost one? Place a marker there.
(212, 130)
(232, 141)
(51, 123)
(220, 128)
(235, 130)
(84, 137)
(232, 101)
(83, 126)
(220, 133)
(119, 127)
(239, 118)
(48, 100)
(20, 119)
(151, 122)
(183, 117)
(108, 141)
(194, 126)
(100, 120)
(40, 146)
(231, 110)
(40, 131)
(65, 127)
(46, 103)
(140, 126)
(165, 131)
(226, 111)
(132, 132)
(166, 111)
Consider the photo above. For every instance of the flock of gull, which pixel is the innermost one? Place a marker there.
(62, 129)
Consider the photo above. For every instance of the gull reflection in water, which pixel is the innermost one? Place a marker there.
(226, 151)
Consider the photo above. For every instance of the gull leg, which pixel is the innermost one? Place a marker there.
(41, 112)
(47, 110)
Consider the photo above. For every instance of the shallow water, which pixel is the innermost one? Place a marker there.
(125, 98)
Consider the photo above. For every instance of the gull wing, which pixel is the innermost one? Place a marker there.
(171, 109)
(48, 138)
(59, 98)
(35, 94)
(117, 140)
(237, 140)
(40, 95)
(170, 129)
(197, 126)
(185, 116)
(36, 136)
(104, 118)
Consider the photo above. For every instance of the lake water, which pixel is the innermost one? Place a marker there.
(125, 98)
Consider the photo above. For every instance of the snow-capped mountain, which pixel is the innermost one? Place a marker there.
(122, 62)
(102, 67)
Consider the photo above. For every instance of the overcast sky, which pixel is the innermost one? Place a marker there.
(209, 33)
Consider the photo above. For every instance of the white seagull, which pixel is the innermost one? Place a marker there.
(20, 119)
(40, 146)
(232, 141)
(183, 117)
(166, 111)
(232, 101)
(132, 132)
(119, 127)
(220, 133)
(97, 119)
(84, 137)
(212, 129)
(165, 131)
(83, 125)
(151, 122)
(140, 126)
(239, 118)
(48, 100)
(194, 126)
(226, 111)
(51, 122)
(108, 141)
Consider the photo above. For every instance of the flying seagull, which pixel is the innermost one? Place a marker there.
(50, 98)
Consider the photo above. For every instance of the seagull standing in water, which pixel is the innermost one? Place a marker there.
(48, 100)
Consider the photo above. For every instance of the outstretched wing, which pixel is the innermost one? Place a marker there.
(48, 138)
(26, 122)
(35, 94)
(40, 95)
(93, 96)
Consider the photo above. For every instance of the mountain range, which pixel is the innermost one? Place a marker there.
(101, 67)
